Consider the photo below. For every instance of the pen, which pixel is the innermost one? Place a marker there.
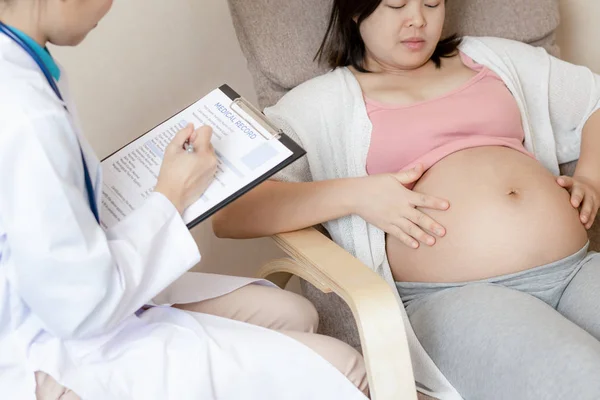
(187, 146)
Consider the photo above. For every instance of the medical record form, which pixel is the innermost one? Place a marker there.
(249, 150)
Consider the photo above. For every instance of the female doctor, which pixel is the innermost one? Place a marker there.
(75, 320)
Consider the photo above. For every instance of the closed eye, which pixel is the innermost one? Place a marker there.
(432, 5)
(397, 7)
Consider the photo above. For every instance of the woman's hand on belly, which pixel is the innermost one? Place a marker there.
(508, 214)
(584, 195)
(385, 202)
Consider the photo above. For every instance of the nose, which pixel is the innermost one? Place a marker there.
(416, 19)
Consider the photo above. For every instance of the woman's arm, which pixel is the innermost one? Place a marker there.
(574, 100)
(275, 207)
(584, 186)
(381, 200)
(588, 165)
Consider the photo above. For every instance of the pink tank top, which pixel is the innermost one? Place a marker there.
(482, 112)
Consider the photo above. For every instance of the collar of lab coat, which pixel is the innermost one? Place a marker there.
(42, 52)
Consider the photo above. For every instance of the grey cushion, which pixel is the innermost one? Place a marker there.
(280, 37)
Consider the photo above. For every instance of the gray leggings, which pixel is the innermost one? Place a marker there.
(530, 335)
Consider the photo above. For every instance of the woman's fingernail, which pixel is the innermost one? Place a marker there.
(439, 231)
(414, 245)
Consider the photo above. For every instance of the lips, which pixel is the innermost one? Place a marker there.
(414, 43)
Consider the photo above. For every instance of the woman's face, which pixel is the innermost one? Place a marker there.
(402, 34)
(69, 21)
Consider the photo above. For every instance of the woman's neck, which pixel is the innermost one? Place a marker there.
(415, 71)
(20, 15)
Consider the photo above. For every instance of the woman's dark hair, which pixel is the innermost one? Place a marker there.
(343, 46)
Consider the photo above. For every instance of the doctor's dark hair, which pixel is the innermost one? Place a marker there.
(343, 46)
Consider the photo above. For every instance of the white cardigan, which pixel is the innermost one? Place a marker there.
(328, 117)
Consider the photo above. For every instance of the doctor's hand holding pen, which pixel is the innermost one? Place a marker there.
(188, 168)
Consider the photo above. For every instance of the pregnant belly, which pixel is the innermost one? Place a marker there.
(507, 214)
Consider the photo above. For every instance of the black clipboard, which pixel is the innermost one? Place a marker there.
(256, 117)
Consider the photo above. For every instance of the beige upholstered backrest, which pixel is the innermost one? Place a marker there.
(280, 37)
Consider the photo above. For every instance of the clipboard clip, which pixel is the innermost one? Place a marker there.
(256, 115)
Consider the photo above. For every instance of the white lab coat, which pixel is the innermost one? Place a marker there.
(69, 291)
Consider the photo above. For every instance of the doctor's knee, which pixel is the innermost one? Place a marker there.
(296, 313)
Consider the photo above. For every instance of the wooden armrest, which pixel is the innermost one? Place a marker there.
(328, 267)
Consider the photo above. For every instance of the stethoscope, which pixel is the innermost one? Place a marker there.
(88, 181)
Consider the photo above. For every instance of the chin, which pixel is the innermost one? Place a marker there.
(76, 40)
(413, 61)
(67, 41)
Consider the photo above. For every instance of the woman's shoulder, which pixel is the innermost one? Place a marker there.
(316, 109)
(323, 90)
(498, 45)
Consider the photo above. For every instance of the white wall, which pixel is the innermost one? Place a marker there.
(147, 60)
(580, 31)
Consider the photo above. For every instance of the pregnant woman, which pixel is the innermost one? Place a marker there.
(484, 241)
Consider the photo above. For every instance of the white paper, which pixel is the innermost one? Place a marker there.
(245, 152)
